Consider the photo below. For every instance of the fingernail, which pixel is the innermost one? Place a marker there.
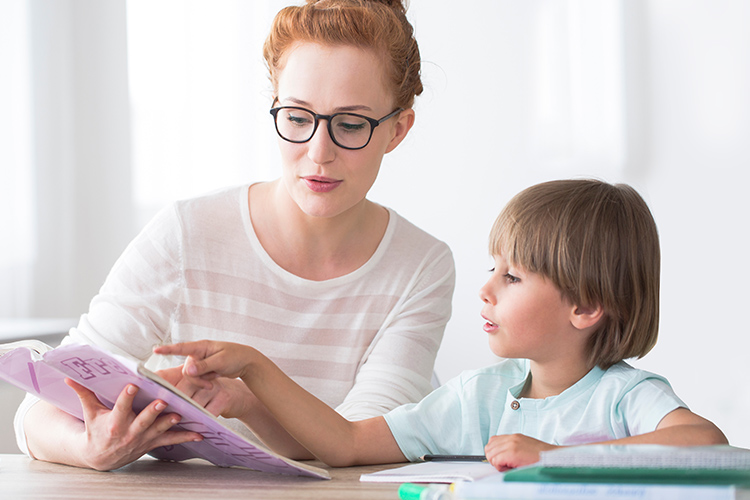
(192, 370)
(132, 389)
(160, 406)
(174, 420)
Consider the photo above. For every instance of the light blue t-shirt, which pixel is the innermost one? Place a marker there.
(461, 416)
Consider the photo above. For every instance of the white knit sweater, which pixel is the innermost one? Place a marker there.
(364, 343)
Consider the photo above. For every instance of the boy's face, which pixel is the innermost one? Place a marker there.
(526, 316)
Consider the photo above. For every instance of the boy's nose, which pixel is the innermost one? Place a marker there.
(486, 295)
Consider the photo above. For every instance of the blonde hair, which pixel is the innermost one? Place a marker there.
(378, 25)
(598, 244)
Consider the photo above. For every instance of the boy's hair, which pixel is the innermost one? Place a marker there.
(598, 244)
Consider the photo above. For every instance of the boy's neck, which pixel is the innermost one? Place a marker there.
(545, 381)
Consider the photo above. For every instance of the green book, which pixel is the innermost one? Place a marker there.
(639, 464)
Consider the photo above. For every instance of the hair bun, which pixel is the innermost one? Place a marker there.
(378, 24)
(398, 5)
(394, 4)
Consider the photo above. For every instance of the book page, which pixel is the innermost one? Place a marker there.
(37, 347)
(22, 366)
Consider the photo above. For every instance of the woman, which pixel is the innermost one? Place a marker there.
(347, 297)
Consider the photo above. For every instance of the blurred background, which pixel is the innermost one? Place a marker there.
(110, 109)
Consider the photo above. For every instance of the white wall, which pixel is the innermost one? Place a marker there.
(81, 144)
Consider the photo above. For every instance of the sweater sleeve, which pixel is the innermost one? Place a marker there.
(135, 308)
(397, 368)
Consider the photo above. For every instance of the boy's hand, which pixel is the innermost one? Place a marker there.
(207, 359)
(228, 397)
(509, 451)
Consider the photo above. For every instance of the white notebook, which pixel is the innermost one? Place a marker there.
(432, 472)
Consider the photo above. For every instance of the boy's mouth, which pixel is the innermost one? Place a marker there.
(489, 325)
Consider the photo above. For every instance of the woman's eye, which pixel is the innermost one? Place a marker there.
(299, 121)
(351, 127)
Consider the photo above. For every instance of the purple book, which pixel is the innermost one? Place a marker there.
(40, 370)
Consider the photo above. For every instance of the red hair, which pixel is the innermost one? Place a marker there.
(378, 25)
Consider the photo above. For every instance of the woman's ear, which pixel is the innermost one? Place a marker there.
(583, 317)
(404, 123)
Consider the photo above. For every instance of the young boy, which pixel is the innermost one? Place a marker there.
(574, 292)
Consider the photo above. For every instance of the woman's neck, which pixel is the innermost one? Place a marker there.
(314, 248)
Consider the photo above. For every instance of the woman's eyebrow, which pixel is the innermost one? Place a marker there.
(340, 109)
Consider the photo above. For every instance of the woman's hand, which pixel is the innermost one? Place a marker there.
(508, 451)
(208, 359)
(229, 398)
(116, 437)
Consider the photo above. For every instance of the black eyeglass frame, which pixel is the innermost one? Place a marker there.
(329, 118)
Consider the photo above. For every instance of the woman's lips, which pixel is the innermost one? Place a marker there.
(321, 184)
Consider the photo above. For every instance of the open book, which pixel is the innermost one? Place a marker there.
(40, 370)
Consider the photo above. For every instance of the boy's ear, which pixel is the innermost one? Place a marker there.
(583, 317)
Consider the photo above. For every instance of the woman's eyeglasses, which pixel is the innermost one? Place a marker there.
(347, 130)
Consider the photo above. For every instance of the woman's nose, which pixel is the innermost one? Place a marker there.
(320, 148)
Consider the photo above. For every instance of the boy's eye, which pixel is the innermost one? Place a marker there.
(510, 278)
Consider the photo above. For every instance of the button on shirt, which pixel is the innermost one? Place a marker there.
(461, 416)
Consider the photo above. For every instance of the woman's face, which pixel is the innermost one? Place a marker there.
(322, 178)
